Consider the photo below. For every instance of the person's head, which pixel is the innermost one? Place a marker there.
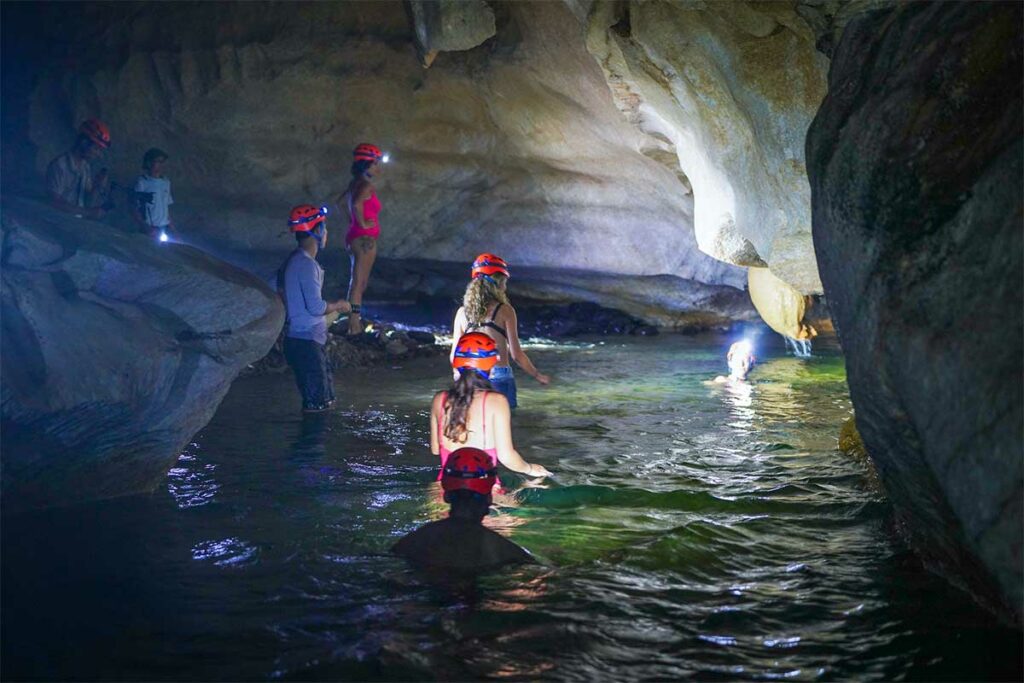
(153, 162)
(308, 222)
(367, 160)
(468, 478)
(741, 359)
(490, 275)
(93, 139)
(475, 355)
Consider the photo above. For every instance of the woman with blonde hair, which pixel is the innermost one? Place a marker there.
(486, 309)
(471, 414)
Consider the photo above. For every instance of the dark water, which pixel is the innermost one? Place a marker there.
(691, 531)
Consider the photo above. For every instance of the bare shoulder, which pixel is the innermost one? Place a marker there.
(496, 401)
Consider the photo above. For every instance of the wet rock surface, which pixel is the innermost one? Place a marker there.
(915, 163)
(115, 351)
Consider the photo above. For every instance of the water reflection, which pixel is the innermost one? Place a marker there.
(191, 481)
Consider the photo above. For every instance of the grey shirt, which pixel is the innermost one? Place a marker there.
(70, 179)
(303, 284)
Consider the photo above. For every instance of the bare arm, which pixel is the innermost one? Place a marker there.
(500, 416)
(436, 408)
(515, 351)
(458, 329)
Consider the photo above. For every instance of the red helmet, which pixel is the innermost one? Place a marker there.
(489, 264)
(97, 131)
(477, 351)
(367, 152)
(469, 468)
(306, 217)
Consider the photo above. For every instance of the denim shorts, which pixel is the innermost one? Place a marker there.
(504, 381)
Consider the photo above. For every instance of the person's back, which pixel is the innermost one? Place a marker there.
(460, 544)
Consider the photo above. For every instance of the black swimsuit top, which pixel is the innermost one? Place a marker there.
(491, 324)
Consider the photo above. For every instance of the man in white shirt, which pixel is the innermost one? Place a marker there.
(70, 184)
(153, 190)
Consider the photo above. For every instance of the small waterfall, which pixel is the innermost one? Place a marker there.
(801, 347)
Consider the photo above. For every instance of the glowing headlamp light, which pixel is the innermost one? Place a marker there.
(163, 236)
(386, 158)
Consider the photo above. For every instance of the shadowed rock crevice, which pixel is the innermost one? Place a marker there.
(915, 162)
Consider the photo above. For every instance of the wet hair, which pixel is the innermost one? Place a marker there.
(480, 294)
(467, 504)
(359, 167)
(458, 400)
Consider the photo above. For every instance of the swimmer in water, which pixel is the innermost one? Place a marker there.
(472, 413)
(741, 360)
(462, 541)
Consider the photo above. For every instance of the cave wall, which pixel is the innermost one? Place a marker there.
(915, 161)
(728, 89)
(515, 146)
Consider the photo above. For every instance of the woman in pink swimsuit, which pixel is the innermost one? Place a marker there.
(363, 229)
(471, 413)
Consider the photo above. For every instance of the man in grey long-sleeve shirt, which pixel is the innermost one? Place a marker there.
(300, 281)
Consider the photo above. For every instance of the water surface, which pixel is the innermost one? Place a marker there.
(711, 532)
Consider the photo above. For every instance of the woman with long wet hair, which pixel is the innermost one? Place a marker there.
(472, 413)
(364, 228)
(486, 308)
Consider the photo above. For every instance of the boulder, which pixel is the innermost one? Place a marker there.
(915, 162)
(115, 352)
(726, 91)
(780, 306)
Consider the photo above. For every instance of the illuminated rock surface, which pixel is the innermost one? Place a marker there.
(115, 352)
(779, 305)
(514, 147)
(727, 89)
(915, 162)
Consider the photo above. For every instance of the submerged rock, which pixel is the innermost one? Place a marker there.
(115, 352)
(915, 163)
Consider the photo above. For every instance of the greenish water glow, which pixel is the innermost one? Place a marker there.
(710, 532)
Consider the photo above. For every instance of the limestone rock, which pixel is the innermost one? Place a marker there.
(915, 163)
(729, 88)
(116, 351)
(850, 442)
(514, 147)
(779, 305)
(449, 25)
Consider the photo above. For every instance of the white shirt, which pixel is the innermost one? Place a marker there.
(157, 213)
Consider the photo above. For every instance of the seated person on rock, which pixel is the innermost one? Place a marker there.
(462, 541)
(741, 360)
(70, 183)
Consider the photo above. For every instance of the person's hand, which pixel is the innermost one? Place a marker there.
(543, 379)
(536, 470)
(340, 306)
(455, 375)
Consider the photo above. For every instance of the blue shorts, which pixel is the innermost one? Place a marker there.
(504, 381)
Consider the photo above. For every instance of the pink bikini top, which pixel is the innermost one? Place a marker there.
(444, 452)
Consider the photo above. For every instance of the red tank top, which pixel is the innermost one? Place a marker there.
(371, 209)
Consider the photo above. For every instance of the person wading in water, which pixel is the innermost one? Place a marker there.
(486, 308)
